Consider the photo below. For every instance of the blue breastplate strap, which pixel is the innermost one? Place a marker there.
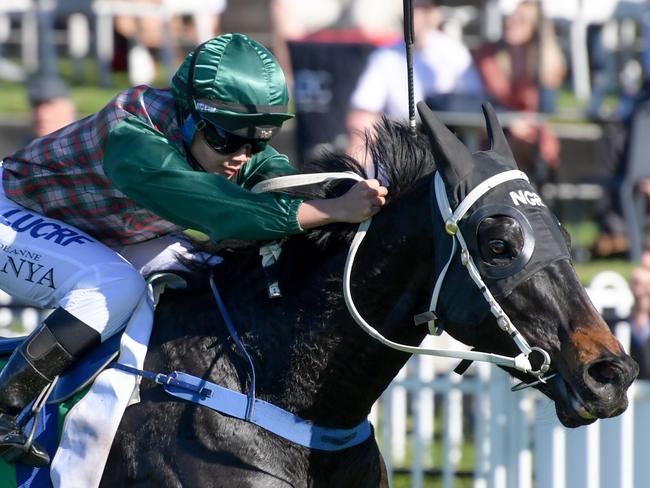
(261, 413)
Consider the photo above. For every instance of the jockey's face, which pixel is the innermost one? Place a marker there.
(211, 161)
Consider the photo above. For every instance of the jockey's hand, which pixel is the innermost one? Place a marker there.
(361, 202)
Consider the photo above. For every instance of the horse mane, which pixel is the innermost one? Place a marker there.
(400, 159)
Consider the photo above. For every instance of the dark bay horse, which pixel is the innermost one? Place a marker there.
(314, 361)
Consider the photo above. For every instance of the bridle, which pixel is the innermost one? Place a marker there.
(520, 362)
(451, 219)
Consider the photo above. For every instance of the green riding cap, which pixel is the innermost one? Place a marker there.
(237, 85)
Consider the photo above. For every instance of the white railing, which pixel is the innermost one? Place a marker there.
(517, 440)
(607, 454)
(414, 395)
(16, 320)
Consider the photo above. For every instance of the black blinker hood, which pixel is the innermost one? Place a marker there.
(460, 300)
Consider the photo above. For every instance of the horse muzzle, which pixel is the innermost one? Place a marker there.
(596, 391)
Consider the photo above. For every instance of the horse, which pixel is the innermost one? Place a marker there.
(313, 360)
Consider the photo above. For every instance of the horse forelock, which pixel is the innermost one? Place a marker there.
(400, 159)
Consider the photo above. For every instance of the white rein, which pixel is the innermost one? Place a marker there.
(520, 362)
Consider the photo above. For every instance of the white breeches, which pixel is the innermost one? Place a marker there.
(48, 264)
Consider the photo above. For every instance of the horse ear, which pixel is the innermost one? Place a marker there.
(498, 142)
(452, 158)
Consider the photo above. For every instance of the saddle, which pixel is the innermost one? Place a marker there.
(87, 368)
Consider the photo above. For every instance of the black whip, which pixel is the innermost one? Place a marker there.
(408, 41)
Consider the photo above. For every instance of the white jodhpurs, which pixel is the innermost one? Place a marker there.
(48, 264)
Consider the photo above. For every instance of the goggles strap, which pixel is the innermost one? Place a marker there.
(188, 130)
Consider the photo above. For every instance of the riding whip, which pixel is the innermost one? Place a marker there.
(408, 41)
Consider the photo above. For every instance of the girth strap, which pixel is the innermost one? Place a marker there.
(261, 413)
(250, 409)
(268, 416)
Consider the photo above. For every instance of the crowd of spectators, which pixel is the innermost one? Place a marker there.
(356, 64)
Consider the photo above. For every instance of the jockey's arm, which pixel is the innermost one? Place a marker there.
(362, 201)
(150, 170)
(147, 168)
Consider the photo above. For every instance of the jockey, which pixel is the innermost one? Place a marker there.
(87, 210)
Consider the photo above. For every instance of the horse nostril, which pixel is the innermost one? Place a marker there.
(605, 372)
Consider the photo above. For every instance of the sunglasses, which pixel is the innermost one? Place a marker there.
(224, 142)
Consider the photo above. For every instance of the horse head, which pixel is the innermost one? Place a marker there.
(522, 255)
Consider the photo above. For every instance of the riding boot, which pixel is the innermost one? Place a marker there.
(45, 354)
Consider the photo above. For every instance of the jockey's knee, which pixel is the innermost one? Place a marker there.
(106, 296)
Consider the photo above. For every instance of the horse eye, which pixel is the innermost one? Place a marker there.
(497, 246)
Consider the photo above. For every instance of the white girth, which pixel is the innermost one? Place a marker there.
(520, 362)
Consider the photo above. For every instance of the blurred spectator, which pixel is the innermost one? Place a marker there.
(324, 46)
(48, 94)
(443, 70)
(630, 123)
(521, 73)
(626, 139)
(139, 39)
(52, 107)
(299, 20)
(614, 71)
(601, 69)
(640, 319)
(612, 240)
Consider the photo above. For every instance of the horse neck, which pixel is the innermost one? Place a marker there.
(391, 280)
